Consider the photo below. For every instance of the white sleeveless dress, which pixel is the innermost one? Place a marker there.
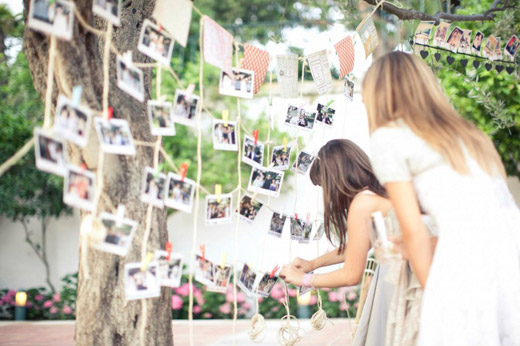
(472, 295)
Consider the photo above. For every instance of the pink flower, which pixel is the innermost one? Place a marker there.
(56, 297)
(28, 305)
(281, 300)
(67, 310)
(1, 302)
(39, 297)
(196, 309)
(292, 292)
(246, 306)
(53, 310)
(176, 302)
(326, 289)
(200, 300)
(230, 297)
(260, 299)
(352, 296)
(313, 300)
(207, 315)
(11, 293)
(47, 304)
(343, 306)
(225, 308)
(197, 293)
(334, 296)
(184, 290)
(275, 308)
(277, 293)
(240, 297)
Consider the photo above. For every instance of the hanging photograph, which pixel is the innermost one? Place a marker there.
(185, 108)
(277, 224)
(440, 34)
(325, 115)
(348, 89)
(114, 136)
(179, 193)
(318, 63)
(108, 9)
(300, 118)
(287, 75)
(423, 32)
(249, 208)
(240, 83)
(221, 278)
(247, 280)
(49, 153)
(204, 271)
(266, 181)
(153, 188)
(280, 158)
(130, 79)
(160, 115)
(489, 48)
(266, 284)
(319, 232)
(465, 42)
(498, 50)
(155, 43)
(303, 290)
(303, 162)
(140, 284)
(53, 17)
(476, 46)
(252, 154)
(169, 270)
(305, 233)
(218, 209)
(454, 39)
(511, 48)
(224, 137)
(118, 234)
(72, 122)
(79, 188)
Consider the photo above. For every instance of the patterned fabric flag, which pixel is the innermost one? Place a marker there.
(217, 45)
(345, 49)
(287, 74)
(257, 60)
(175, 17)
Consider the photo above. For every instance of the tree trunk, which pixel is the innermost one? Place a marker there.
(103, 316)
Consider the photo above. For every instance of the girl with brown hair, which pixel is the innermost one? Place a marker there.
(426, 154)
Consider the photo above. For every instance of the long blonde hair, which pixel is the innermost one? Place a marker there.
(400, 85)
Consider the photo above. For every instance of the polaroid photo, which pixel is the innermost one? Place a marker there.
(300, 118)
(297, 227)
(130, 79)
(108, 9)
(253, 154)
(239, 84)
(247, 280)
(118, 234)
(302, 290)
(476, 46)
(511, 48)
(153, 188)
(440, 34)
(169, 271)
(266, 181)
(348, 89)
(79, 188)
(277, 224)
(319, 232)
(325, 115)
(465, 42)
(266, 284)
(224, 135)
(498, 50)
(423, 32)
(490, 47)
(280, 158)
(303, 162)
(204, 271)
(72, 122)
(218, 209)
(179, 193)
(50, 153)
(185, 108)
(453, 41)
(155, 43)
(53, 17)
(222, 278)
(160, 115)
(306, 233)
(115, 136)
(248, 209)
(141, 284)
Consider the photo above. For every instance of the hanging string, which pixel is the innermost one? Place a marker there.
(289, 333)
(47, 120)
(394, 3)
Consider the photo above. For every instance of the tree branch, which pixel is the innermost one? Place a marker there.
(411, 14)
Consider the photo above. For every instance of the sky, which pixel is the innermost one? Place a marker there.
(16, 6)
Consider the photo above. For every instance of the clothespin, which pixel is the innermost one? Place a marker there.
(110, 113)
(308, 218)
(147, 260)
(189, 91)
(296, 216)
(76, 95)
(120, 215)
(203, 251)
(218, 191)
(160, 28)
(223, 258)
(168, 249)
(225, 117)
(183, 170)
(275, 269)
(329, 103)
(285, 144)
(158, 171)
(255, 135)
(83, 167)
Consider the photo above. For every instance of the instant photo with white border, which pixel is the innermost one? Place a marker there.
(213, 206)
(166, 127)
(297, 166)
(115, 136)
(237, 86)
(202, 274)
(247, 280)
(169, 272)
(75, 125)
(296, 228)
(252, 154)
(265, 285)
(175, 195)
(71, 195)
(141, 284)
(348, 89)
(221, 278)
(294, 119)
(249, 215)
(53, 157)
(107, 11)
(325, 115)
(320, 231)
(118, 235)
(277, 224)
(306, 233)
(277, 152)
(224, 137)
(185, 112)
(148, 50)
(260, 183)
(125, 81)
(154, 196)
(40, 15)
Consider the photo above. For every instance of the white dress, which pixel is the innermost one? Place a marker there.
(472, 295)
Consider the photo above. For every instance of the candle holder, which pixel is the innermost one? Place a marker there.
(20, 309)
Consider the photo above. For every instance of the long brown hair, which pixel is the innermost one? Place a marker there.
(401, 86)
(343, 170)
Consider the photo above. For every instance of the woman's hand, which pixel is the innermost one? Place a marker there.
(303, 265)
(292, 275)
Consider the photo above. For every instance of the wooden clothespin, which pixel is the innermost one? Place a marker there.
(83, 167)
(255, 135)
(329, 103)
(296, 216)
(273, 272)
(76, 95)
(183, 170)
(110, 113)
(120, 215)
(308, 218)
(189, 91)
(218, 192)
(168, 249)
(285, 144)
(225, 117)
(223, 258)
(158, 171)
(203, 252)
(147, 260)
(160, 28)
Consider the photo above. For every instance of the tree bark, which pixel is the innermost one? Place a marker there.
(103, 316)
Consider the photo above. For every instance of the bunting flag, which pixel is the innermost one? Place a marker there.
(175, 17)
(217, 45)
(257, 60)
(345, 49)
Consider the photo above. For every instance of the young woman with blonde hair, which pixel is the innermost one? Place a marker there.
(426, 154)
